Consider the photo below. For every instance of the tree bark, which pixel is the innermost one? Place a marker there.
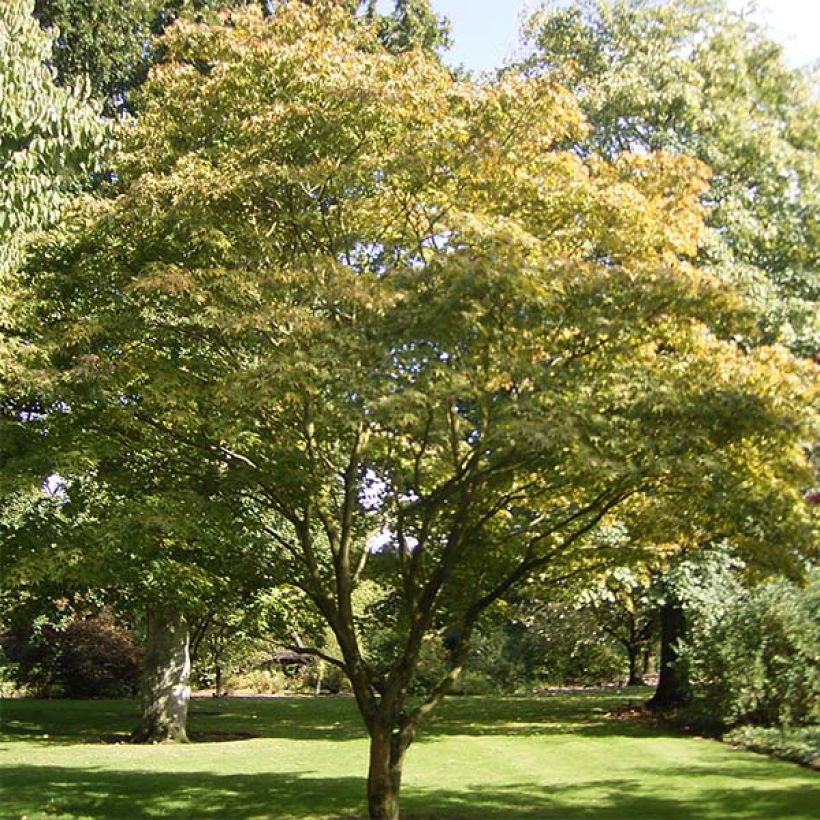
(646, 661)
(384, 773)
(165, 690)
(673, 683)
(634, 653)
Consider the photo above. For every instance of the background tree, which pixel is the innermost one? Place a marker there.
(622, 605)
(153, 547)
(384, 301)
(47, 139)
(695, 77)
(113, 43)
(412, 25)
(50, 139)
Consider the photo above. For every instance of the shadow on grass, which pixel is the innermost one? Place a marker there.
(94, 793)
(87, 721)
(583, 714)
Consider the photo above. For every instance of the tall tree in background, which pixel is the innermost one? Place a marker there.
(50, 139)
(412, 25)
(694, 77)
(47, 134)
(113, 42)
(382, 300)
(144, 542)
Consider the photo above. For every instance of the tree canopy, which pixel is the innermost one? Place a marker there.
(428, 343)
(47, 133)
(113, 44)
(50, 141)
(695, 77)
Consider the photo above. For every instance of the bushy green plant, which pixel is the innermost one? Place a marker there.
(801, 745)
(76, 656)
(564, 644)
(758, 664)
(259, 681)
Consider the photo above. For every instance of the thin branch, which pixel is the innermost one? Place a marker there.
(317, 653)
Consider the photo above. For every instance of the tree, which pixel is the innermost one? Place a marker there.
(110, 43)
(137, 536)
(412, 25)
(694, 77)
(623, 607)
(380, 301)
(50, 140)
(113, 43)
(48, 137)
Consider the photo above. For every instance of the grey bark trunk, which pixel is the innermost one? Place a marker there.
(384, 775)
(165, 690)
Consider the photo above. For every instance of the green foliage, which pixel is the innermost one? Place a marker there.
(564, 644)
(49, 139)
(802, 745)
(233, 632)
(694, 77)
(412, 25)
(258, 681)
(624, 606)
(756, 661)
(112, 43)
(74, 656)
(108, 42)
(47, 133)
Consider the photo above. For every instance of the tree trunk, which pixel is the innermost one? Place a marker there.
(384, 774)
(165, 690)
(647, 659)
(634, 653)
(673, 684)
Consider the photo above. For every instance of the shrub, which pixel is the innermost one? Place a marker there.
(77, 657)
(259, 681)
(99, 659)
(758, 664)
(800, 745)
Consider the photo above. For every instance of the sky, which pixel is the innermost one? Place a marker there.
(486, 31)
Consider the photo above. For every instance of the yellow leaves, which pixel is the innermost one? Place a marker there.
(652, 204)
(169, 279)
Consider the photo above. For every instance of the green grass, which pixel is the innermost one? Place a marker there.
(552, 757)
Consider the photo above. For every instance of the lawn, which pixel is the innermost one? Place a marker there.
(557, 756)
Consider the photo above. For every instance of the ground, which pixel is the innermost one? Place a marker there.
(554, 756)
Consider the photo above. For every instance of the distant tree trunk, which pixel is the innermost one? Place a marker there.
(165, 690)
(673, 684)
(384, 773)
(634, 653)
(646, 661)
(218, 681)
